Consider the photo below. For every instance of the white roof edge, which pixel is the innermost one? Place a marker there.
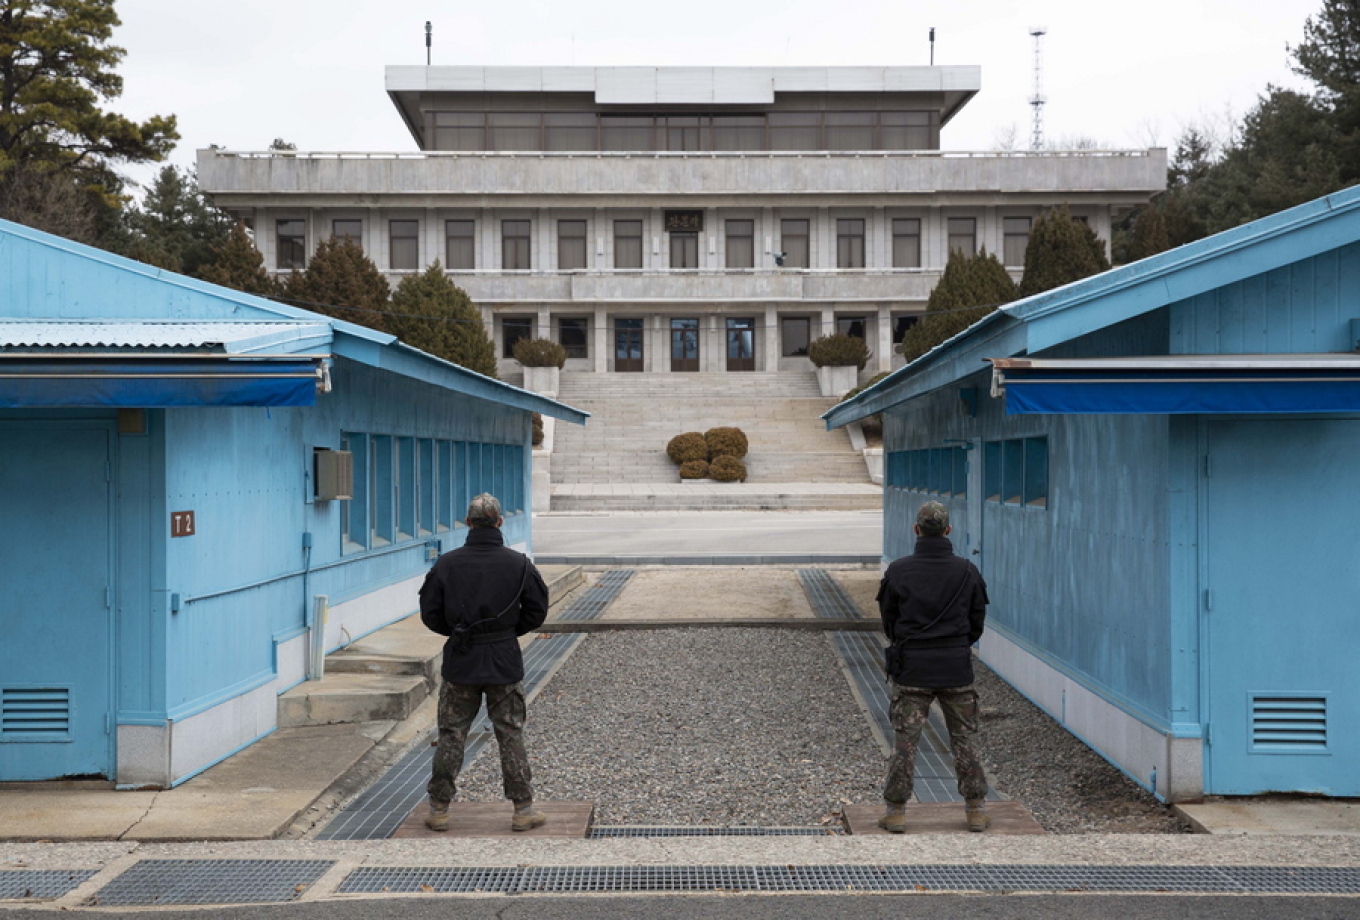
(1319, 361)
(470, 78)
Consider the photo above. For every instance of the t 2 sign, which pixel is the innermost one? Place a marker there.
(181, 523)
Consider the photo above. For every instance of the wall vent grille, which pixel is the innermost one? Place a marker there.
(35, 713)
(1295, 723)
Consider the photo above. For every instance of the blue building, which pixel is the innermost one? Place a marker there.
(183, 468)
(1156, 469)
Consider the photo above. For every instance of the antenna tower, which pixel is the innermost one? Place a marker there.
(1036, 102)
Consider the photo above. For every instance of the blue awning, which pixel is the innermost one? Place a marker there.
(1179, 385)
(158, 383)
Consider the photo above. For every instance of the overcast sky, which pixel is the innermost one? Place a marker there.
(239, 73)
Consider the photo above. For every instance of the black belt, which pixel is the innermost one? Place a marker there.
(488, 638)
(947, 642)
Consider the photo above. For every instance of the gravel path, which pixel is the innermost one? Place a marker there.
(706, 726)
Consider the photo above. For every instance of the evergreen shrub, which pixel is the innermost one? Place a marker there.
(726, 441)
(694, 469)
(537, 439)
(839, 350)
(540, 353)
(727, 469)
(684, 448)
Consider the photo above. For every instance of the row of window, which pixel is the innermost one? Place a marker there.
(587, 131)
(412, 488)
(1014, 471)
(795, 332)
(794, 244)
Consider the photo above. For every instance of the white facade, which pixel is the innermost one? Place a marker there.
(638, 215)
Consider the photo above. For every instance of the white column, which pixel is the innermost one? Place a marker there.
(601, 351)
(770, 338)
(883, 358)
(828, 322)
(543, 326)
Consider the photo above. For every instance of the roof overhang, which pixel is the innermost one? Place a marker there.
(1179, 385)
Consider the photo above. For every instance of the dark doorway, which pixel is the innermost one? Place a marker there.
(628, 345)
(741, 343)
(684, 344)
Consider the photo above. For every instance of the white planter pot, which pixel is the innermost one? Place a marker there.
(836, 381)
(541, 380)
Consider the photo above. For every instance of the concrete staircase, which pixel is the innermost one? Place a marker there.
(634, 416)
(387, 674)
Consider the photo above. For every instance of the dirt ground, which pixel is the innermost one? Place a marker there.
(713, 592)
(861, 585)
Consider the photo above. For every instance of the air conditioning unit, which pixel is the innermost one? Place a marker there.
(333, 473)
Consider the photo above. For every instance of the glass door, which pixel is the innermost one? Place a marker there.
(628, 345)
(741, 343)
(685, 344)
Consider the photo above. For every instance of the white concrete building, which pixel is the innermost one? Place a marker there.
(677, 219)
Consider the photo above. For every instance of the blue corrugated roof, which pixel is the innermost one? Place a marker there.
(230, 338)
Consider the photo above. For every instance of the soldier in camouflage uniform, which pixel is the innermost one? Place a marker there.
(483, 596)
(933, 605)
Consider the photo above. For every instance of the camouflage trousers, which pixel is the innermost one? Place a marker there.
(910, 707)
(458, 706)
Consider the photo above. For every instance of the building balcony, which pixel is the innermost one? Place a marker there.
(606, 179)
(699, 286)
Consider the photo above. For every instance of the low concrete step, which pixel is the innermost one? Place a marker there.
(352, 698)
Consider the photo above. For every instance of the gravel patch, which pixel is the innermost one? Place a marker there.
(723, 727)
(1069, 787)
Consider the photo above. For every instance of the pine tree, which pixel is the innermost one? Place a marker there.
(236, 263)
(430, 312)
(341, 281)
(1330, 56)
(1061, 250)
(175, 227)
(57, 65)
(969, 289)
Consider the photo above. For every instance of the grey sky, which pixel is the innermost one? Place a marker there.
(242, 72)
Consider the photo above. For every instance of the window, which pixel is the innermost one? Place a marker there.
(963, 235)
(795, 131)
(901, 323)
(569, 131)
(515, 251)
(354, 524)
(352, 230)
(571, 245)
(291, 238)
(906, 242)
(627, 244)
(1016, 471)
(428, 497)
(793, 335)
(381, 519)
(459, 131)
(627, 132)
(738, 132)
(682, 132)
(572, 334)
(851, 325)
(904, 131)
(514, 328)
(514, 131)
(684, 250)
(793, 240)
(941, 471)
(1015, 237)
(405, 240)
(850, 130)
(406, 488)
(449, 512)
(741, 244)
(460, 245)
(850, 243)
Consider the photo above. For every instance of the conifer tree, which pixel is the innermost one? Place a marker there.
(341, 281)
(430, 312)
(969, 289)
(1061, 250)
(236, 263)
(175, 227)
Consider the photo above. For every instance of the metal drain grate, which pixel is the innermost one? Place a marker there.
(592, 602)
(591, 879)
(381, 808)
(826, 597)
(211, 881)
(40, 883)
(599, 833)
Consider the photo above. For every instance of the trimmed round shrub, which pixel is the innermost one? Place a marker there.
(694, 469)
(686, 447)
(839, 350)
(726, 441)
(539, 353)
(538, 429)
(727, 469)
